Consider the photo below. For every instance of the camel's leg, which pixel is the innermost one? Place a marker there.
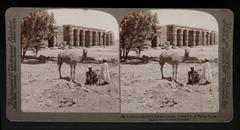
(161, 68)
(173, 72)
(71, 71)
(176, 68)
(74, 71)
(59, 70)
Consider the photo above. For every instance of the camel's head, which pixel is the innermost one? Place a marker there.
(85, 51)
(84, 55)
(186, 53)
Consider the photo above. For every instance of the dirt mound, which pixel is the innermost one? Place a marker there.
(66, 102)
(168, 102)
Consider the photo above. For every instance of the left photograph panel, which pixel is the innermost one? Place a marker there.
(69, 61)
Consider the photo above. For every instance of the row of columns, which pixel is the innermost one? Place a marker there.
(81, 37)
(186, 37)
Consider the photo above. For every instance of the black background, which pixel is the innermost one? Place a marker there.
(230, 4)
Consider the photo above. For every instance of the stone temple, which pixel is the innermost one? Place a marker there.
(177, 35)
(81, 36)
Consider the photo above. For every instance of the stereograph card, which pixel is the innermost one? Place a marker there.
(119, 65)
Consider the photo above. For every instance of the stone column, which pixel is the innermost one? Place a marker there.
(204, 38)
(194, 38)
(210, 41)
(214, 39)
(109, 39)
(77, 37)
(83, 38)
(186, 37)
(70, 36)
(96, 39)
(105, 39)
(90, 38)
(101, 39)
(181, 38)
(199, 38)
(174, 40)
(208, 38)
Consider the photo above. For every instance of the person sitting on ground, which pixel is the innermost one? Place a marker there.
(193, 77)
(91, 77)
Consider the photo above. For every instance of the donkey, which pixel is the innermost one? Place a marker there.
(173, 59)
(69, 58)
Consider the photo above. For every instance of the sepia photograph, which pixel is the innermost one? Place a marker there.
(119, 65)
(69, 61)
(169, 62)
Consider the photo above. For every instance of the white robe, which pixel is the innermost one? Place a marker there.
(105, 76)
(207, 72)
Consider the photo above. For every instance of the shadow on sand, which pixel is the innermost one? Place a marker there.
(167, 78)
(68, 79)
(170, 79)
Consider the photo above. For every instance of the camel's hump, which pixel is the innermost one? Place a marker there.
(169, 53)
(170, 56)
(68, 54)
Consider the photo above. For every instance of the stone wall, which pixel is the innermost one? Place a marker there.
(187, 36)
(82, 36)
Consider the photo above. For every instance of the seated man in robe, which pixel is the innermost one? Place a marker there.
(91, 77)
(193, 77)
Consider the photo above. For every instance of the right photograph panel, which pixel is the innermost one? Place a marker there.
(169, 62)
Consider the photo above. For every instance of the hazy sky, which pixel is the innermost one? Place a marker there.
(87, 18)
(102, 20)
(190, 18)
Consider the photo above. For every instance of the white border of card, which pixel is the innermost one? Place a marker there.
(225, 20)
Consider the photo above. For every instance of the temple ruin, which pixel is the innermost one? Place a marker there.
(177, 35)
(81, 36)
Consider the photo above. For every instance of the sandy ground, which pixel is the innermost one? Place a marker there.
(143, 90)
(43, 91)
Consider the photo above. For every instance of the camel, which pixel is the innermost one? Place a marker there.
(69, 58)
(173, 59)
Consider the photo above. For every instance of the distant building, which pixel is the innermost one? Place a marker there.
(81, 36)
(177, 35)
(188, 36)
